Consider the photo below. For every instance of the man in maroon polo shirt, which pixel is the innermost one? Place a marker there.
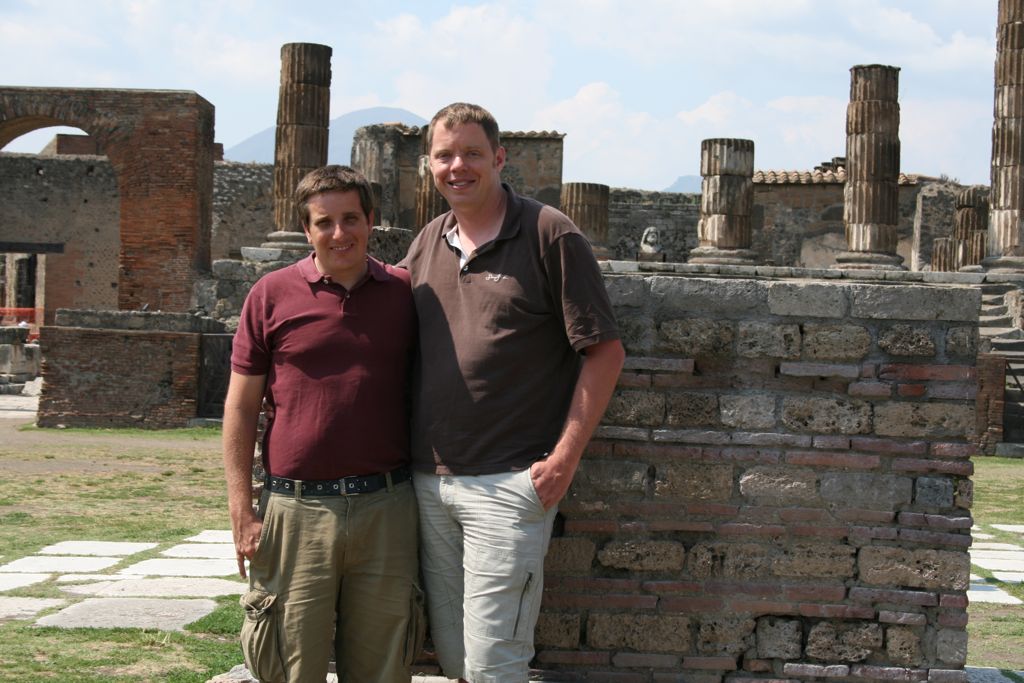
(328, 342)
(519, 354)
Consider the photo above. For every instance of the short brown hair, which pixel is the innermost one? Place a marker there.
(459, 113)
(333, 178)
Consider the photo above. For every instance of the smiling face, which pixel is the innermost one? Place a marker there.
(466, 169)
(339, 230)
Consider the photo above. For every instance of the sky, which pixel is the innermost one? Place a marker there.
(635, 86)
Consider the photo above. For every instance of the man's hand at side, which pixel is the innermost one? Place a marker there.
(241, 413)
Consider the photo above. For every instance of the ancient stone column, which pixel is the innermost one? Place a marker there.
(429, 202)
(726, 202)
(871, 195)
(1005, 233)
(300, 141)
(970, 225)
(586, 204)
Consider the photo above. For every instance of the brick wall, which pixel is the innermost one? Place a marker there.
(779, 490)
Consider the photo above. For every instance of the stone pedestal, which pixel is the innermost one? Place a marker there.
(726, 202)
(1005, 244)
(871, 195)
(586, 205)
(300, 143)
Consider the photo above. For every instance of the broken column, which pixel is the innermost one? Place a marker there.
(429, 202)
(586, 205)
(970, 225)
(300, 141)
(726, 202)
(1005, 239)
(871, 195)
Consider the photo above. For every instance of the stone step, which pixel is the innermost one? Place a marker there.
(996, 321)
(1011, 347)
(995, 310)
(1001, 332)
(11, 388)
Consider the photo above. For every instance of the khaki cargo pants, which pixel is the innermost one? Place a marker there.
(334, 574)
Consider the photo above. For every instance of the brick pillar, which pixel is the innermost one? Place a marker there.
(970, 225)
(300, 142)
(429, 202)
(586, 205)
(1005, 238)
(726, 201)
(871, 195)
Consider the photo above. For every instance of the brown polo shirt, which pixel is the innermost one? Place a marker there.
(500, 339)
(337, 363)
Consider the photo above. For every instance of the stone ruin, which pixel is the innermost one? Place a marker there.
(780, 489)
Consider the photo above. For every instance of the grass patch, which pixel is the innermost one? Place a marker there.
(999, 491)
(194, 433)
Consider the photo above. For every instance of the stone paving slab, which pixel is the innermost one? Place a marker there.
(81, 578)
(1014, 528)
(982, 535)
(985, 592)
(992, 564)
(23, 608)
(1009, 577)
(212, 536)
(981, 674)
(9, 582)
(155, 613)
(1016, 555)
(174, 587)
(182, 567)
(219, 551)
(984, 545)
(35, 564)
(100, 548)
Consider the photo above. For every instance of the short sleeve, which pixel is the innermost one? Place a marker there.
(250, 351)
(576, 280)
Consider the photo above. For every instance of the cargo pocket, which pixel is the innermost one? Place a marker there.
(416, 632)
(260, 641)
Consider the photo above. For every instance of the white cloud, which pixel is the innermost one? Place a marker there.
(719, 110)
(946, 136)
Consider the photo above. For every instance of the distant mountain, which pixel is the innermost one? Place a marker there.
(260, 147)
(685, 183)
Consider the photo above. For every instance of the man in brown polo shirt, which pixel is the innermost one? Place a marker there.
(329, 343)
(519, 354)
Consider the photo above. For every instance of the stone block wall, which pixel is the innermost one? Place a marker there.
(780, 487)
(675, 214)
(121, 369)
(243, 207)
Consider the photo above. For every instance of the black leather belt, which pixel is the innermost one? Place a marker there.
(346, 486)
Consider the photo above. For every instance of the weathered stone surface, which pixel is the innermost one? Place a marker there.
(765, 340)
(637, 333)
(871, 491)
(826, 415)
(906, 340)
(658, 556)
(558, 630)
(924, 568)
(839, 642)
(570, 554)
(693, 409)
(636, 408)
(903, 646)
(676, 295)
(650, 632)
(962, 342)
(934, 492)
(815, 560)
(895, 418)
(154, 613)
(725, 636)
(729, 560)
(780, 485)
(951, 647)
(778, 638)
(808, 300)
(880, 302)
(694, 337)
(835, 342)
(964, 497)
(626, 291)
(612, 476)
(748, 411)
(696, 481)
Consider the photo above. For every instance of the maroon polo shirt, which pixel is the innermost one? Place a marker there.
(500, 339)
(338, 364)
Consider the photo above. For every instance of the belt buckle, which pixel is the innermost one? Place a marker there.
(344, 486)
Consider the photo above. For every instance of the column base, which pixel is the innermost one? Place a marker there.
(263, 254)
(723, 257)
(1003, 264)
(867, 260)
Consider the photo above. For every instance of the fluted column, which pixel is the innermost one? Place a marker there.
(300, 141)
(970, 226)
(1005, 239)
(429, 202)
(871, 194)
(586, 205)
(726, 202)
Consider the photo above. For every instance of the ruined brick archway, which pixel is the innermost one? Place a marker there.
(160, 144)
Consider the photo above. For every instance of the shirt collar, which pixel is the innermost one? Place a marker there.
(374, 269)
(509, 226)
